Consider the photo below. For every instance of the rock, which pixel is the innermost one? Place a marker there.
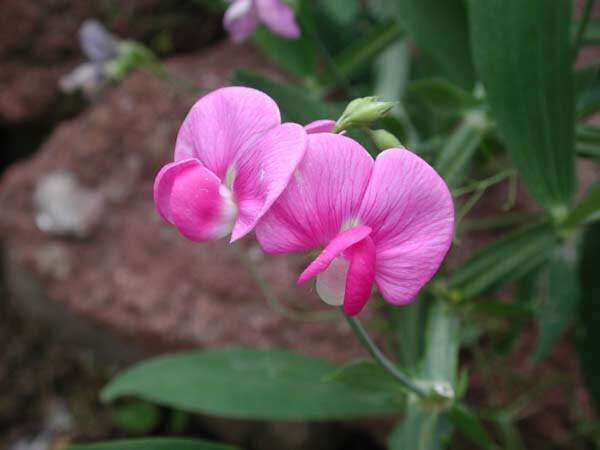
(133, 285)
(63, 207)
(39, 44)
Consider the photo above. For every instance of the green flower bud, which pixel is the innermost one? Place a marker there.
(362, 112)
(384, 139)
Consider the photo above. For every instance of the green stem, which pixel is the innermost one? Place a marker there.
(585, 18)
(381, 359)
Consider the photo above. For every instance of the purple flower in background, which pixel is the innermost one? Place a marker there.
(244, 16)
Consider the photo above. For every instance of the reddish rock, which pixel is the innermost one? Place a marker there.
(39, 43)
(134, 277)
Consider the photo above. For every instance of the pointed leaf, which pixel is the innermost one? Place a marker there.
(244, 383)
(507, 259)
(522, 51)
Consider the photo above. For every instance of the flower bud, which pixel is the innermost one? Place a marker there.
(384, 139)
(362, 112)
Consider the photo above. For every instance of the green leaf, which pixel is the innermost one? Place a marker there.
(455, 156)
(366, 48)
(154, 444)
(561, 302)
(440, 362)
(588, 208)
(296, 55)
(522, 51)
(342, 11)
(244, 383)
(366, 375)
(590, 311)
(408, 323)
(443, 96)
(506, 260)
(470, 426)
(440, 29)
(295, 103)
(137, 417)
(421, 429)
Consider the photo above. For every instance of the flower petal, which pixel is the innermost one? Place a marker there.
(320, 126)
(262, 172)
(338, 244)
(360, 276)
(221, 124)
(323, 196)
(410, 209)
(279, 17)
(163, 185)
(240, 20)
(199, 205)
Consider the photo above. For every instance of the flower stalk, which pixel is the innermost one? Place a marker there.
(381, 359)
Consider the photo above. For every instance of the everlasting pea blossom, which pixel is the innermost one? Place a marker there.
(244, 16)
(387, 222)
(233, 158)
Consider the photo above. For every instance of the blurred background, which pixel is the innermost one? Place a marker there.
(92, 280)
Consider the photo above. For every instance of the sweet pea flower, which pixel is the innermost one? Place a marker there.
(387, 222)
(233, 158)
(244, 16)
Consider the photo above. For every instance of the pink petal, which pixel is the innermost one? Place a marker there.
(338, 244)
(410, 209)
(320, 126)
(323, 196)
(240, 20)
(163, 185)
(263, 171)
(360, 277)
(221, 124)
(279, 17)
(200, 206)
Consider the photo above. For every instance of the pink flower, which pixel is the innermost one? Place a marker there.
(243, 17)
(387, 222)
(233, 158)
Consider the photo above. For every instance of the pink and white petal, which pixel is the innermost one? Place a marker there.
(410, 209)
(263, 171)
(322, 198)
(240, 20)
(360, 276)
(278, 17)
(320, 126)
(335, 248)
(163, 185)
(221, 124)
(200, 206)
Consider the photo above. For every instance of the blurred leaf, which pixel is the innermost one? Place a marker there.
(442, 341)
(367, 375)
(560, 305)
(420, 429)
(367, 47)
(154, 444)
(137, 417)
(443, 96)
(244, 383)
(295, 103)
(392, 71)
(592, 32)
(529, 87)
(408, 323)
(342, 11)
(455, 156)
(440, 29)
(590, 311)
(505, 260)
(470, 426)
(296, 55)
(588, 150)
(587, 208)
